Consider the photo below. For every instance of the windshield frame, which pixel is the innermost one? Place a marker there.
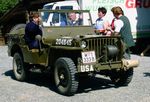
(67, 11)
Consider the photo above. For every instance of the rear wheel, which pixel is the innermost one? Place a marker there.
(122, 77)
(65, 76)
(19, 67)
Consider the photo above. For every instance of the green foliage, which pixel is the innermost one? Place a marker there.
(6, 5)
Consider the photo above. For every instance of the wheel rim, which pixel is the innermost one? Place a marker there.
(62, 77)
(18, 66)
(19, 69)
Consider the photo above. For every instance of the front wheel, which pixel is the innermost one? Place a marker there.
(121, 77)
(65, 76)
(19, 67)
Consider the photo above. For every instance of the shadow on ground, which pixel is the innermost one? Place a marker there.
(146, 74)
(86, 84)
(94, 83)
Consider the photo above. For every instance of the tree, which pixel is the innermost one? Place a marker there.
(6, 5)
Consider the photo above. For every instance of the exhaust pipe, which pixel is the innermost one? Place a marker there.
(130, 63)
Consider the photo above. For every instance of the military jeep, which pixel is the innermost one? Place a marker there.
(69, 52)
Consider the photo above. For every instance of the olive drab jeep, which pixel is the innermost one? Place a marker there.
(70, 52)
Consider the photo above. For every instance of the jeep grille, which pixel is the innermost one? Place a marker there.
(99, 45)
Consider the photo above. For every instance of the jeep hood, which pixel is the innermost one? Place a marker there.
(52, 33)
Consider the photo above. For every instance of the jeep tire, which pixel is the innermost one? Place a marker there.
(122, 77)
(18, 67)
(65, 76)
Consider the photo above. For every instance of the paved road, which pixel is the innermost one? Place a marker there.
(40, 89)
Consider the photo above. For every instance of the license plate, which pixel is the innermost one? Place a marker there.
(88, 57)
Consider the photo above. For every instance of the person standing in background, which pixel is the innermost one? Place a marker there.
(101, 23)
(122, 27)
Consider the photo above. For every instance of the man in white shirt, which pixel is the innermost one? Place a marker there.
(118, 24)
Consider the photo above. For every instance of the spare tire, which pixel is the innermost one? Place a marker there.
(17, 27)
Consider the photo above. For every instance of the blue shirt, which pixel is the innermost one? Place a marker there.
(99, 24)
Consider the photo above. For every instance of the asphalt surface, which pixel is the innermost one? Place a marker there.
(40, 88)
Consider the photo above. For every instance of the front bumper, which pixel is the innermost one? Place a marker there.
(96, 67)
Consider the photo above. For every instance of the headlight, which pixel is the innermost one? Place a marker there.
(83, 44)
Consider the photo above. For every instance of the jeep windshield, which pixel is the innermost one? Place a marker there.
(65, 18)
(46, 14)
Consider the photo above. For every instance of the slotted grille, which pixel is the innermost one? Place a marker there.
(99, 44)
